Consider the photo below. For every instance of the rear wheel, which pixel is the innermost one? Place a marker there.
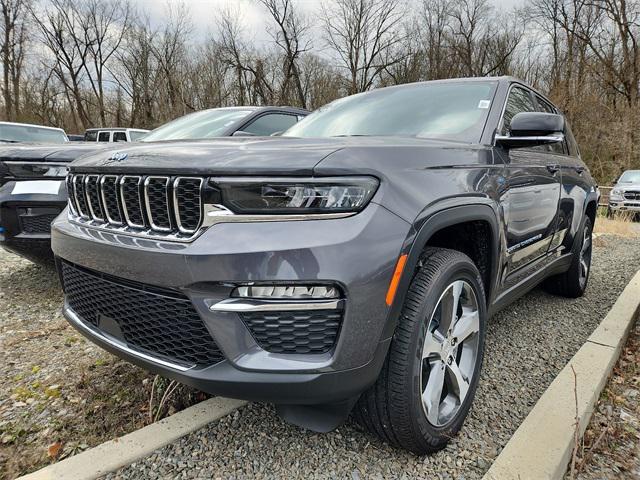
(573, 282)
(430, 376)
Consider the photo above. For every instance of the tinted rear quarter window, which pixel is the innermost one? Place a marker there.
(119, 137)
(271, 123)
(104, 136)
(91, 136)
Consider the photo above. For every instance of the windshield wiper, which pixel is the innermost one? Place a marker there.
(8, 141)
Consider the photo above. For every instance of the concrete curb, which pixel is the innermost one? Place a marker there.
(125, 450)
(543, 444)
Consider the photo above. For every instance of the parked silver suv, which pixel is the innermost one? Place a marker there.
(625, 195)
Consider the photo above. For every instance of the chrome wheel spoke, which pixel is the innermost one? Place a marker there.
(432, 344)
(467, 325)
(459, 382)
(449, 305)
(586, 244)
(433, 392)
(584, 267)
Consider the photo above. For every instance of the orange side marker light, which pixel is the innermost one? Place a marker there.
(395, 280)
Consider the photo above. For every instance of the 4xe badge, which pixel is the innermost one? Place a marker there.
(117, 157)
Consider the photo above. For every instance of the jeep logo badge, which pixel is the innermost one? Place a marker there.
(118, 156)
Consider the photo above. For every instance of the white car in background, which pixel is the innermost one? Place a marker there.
(11, 132)
(625, 195)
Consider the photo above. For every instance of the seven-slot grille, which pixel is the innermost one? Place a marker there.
(142, 203)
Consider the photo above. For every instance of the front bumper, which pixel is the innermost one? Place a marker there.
(624, 205)
(27, 209)
(357, 254)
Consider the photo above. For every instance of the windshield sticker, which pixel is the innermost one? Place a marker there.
(484, 104)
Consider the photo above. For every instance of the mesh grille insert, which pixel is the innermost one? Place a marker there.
(154, 321)
(130, 187)
(294, 332)
(157, 205)
(188, 203)
(110, 198)
(37, 223)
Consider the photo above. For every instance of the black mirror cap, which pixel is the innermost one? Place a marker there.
(527, 124)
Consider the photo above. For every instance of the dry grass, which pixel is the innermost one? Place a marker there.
(620, 225)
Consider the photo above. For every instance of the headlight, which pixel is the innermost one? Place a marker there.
(293, 196)
(616, 192)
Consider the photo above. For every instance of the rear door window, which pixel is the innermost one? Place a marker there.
(519, 101)
(560, 147)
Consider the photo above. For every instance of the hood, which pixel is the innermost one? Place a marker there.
(249, 156)
(66, 152)
(628, 186)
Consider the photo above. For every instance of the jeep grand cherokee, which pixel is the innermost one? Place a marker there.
(349, 265)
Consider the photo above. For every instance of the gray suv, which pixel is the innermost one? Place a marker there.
(347, 266)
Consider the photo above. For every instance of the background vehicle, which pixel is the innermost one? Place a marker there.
(24, 132)
(32, 189)
(625, 195)
(351, 263)
(114, 134)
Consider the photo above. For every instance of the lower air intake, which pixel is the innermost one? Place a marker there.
(157, 322)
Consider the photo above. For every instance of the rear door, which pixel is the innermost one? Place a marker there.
(576, 183)
(530, 200)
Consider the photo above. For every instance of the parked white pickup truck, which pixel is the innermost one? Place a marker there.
(113, 134)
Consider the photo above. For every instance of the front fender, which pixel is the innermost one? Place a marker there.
(436, 217)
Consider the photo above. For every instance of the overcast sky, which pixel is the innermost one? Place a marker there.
(203, 13)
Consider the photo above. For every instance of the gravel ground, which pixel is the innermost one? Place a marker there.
(611, 444)
(527, 345)
(59, 393)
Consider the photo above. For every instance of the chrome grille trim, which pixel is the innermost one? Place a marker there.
(70, 193)
(126, 210)
(96, 211)
(176, 205)
(111, 219)
(148, 207)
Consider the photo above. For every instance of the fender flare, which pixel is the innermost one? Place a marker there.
(424, 227)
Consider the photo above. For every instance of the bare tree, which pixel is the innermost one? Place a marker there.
(12, 50)
(291, 37)
(364, 34)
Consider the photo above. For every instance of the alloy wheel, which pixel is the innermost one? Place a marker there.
(449, 353)
(585, 256)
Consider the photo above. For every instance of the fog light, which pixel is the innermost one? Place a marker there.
(302, 292)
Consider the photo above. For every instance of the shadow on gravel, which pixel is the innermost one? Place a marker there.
(528, 343)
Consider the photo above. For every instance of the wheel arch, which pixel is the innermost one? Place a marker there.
(425, 229)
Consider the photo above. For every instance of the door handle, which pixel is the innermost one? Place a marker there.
(553, 168)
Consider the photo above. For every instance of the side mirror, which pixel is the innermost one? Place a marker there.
(529, 129)
(241, 133)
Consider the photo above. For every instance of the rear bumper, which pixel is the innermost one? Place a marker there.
(357, 254)
(27, 209)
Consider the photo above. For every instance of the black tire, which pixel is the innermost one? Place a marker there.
(392, 408)
(573, 282)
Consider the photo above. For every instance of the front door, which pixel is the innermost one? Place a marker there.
(530, 200)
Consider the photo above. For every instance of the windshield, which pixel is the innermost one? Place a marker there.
(205, 124)
(30, 133)
(631, 176)
(452, 110)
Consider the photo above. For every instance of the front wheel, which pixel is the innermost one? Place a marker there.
(430, 376)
